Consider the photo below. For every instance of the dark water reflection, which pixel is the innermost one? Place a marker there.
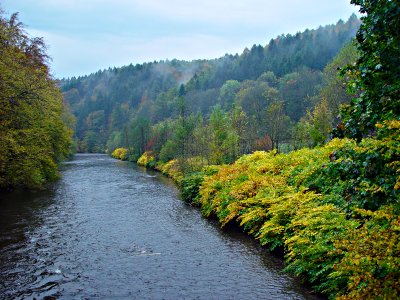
(108, 229)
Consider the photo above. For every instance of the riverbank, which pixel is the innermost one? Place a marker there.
(325, 208)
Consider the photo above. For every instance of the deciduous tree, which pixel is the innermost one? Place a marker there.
(376, 71)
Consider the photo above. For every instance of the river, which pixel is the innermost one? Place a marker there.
(109, 229)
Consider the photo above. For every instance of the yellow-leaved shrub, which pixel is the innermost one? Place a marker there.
(120, 153)
(371, 257)
(171, 169)
(147, 160)
(306, 203)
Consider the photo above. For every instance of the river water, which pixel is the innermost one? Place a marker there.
(109, 229)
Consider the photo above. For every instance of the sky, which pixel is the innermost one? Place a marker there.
(84, 36)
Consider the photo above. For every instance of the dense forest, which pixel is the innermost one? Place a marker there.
(265, 98)
(35, 126)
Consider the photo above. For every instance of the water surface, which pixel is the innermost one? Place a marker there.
(109, 229)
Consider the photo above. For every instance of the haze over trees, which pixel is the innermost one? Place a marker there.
(35, 126)
(263, 99)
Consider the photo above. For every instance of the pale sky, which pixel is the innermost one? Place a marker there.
(84, 36)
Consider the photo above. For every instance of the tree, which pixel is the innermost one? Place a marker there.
(33, 135)
(184, 139)
(228, 93)
(321, 123)
(119, 117)
(254, 97)
(278, 124)
(223, 139)
(95, 137)
(139, 134)
(297, 89)
(376, 71)
(201, 143)
(115, 141)
(301, 137)
(239, 123)
(160, 134)
(335, 87)
(270, 78)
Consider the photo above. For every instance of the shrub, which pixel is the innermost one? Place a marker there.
(325, 207)
(171, 169)
(364, 175)
(147, 160)
(310, 244)
(371, 257)
(120, 153)
(189, 187)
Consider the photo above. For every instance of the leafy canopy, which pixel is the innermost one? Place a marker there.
(377, 70)
(33, 131)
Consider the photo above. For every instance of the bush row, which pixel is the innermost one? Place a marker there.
(333, 210)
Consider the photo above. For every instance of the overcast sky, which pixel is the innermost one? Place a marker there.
(88, 35)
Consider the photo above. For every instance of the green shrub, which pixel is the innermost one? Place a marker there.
(310, 244)
(189, 187)
(365, 175)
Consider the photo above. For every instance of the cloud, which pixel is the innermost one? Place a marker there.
(81, 57)
(200, 11)
(88, 35)
(238, 11)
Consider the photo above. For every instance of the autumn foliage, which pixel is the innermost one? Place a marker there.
(35, 126)
(330, 234)
(120, 153)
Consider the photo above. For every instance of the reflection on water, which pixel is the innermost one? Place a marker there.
(110, 229)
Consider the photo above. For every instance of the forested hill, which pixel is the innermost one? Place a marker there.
(120, 106)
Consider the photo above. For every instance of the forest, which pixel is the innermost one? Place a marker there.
(283, 96)
(333, 210)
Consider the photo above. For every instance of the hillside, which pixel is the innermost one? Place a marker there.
(121, 106)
